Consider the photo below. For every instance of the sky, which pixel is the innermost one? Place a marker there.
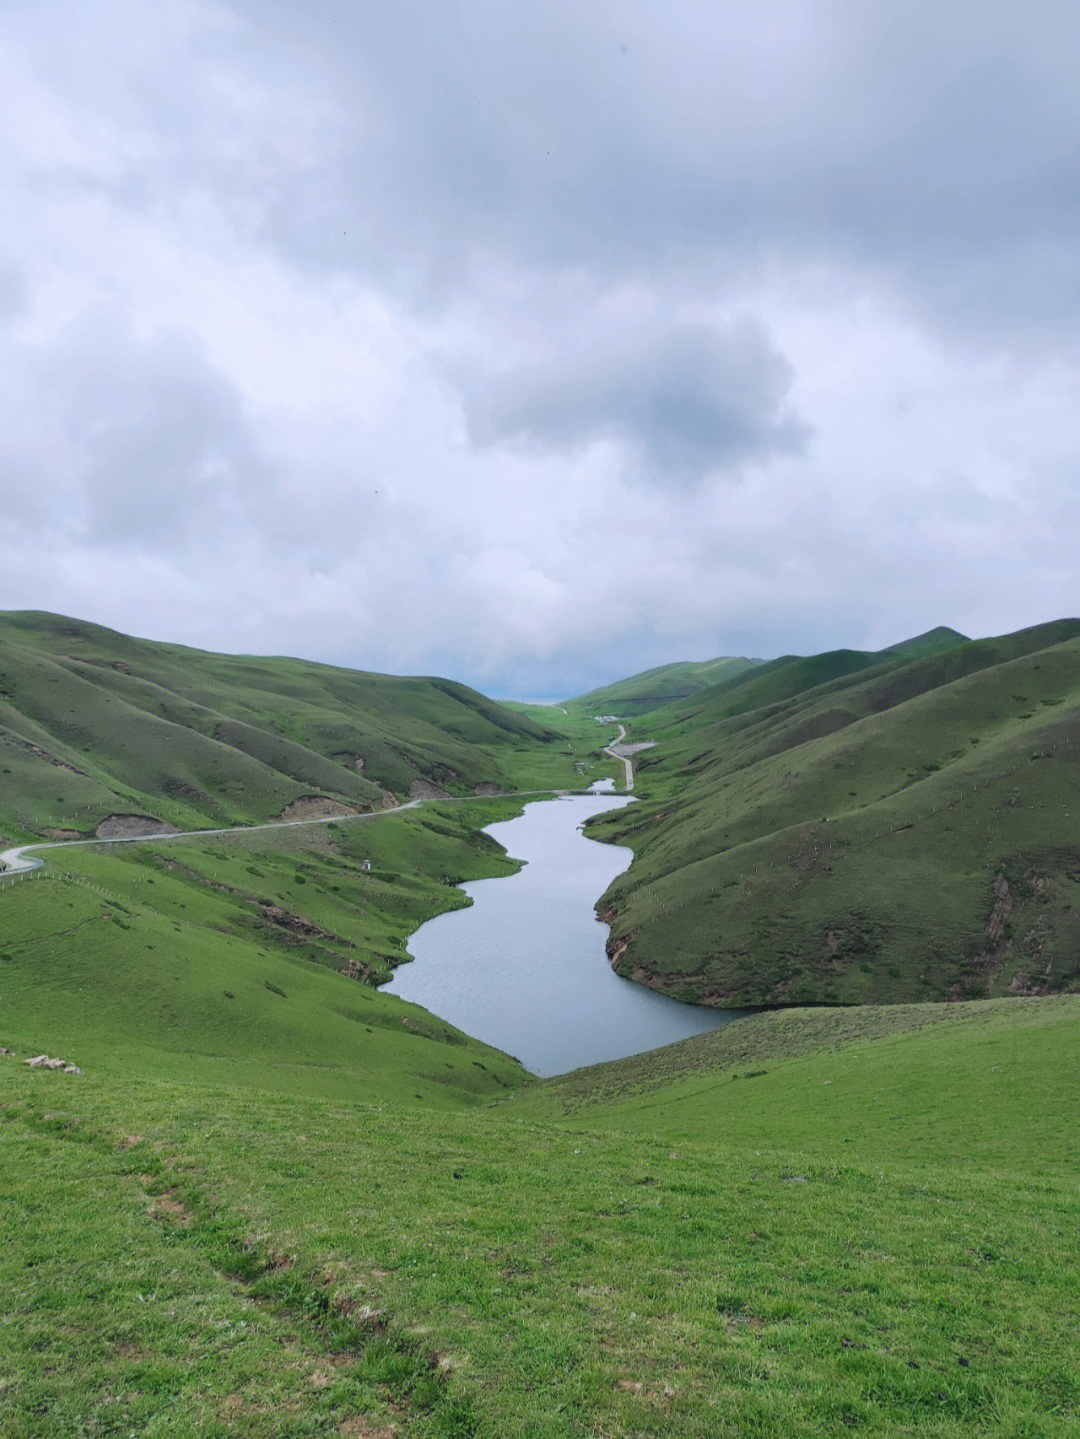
(536, 346)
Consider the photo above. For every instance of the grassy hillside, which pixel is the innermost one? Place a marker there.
(251, 956)
(853, 828)
(659, 686)
(804, 1224)
(93, 723)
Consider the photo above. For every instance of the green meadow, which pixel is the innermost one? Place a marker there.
(867, 1226)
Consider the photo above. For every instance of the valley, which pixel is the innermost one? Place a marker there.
(278, 1200)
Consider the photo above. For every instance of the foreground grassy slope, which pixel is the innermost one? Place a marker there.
(94, 723)
(836, 831)
(788, 1232)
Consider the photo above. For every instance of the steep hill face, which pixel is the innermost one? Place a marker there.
(653, 688)
(858, 827)
(93, 723)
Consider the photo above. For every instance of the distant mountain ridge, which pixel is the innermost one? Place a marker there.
(661, 685)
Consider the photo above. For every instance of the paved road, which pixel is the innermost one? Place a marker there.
(18, 860)
(617, 750)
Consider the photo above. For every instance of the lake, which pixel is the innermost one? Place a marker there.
(524, 968)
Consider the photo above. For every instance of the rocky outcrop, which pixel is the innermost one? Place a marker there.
(487, 789)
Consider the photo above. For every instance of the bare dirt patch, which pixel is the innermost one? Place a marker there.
(52, 833)
(359, 1428)
(132, 826)
(424, 788)
(168, 1206)
(314, 806)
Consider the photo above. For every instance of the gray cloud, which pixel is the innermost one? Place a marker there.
(131, 443)
(685, 400)
(712, 140)
(296, 208)
(14, 294)
(432, 149)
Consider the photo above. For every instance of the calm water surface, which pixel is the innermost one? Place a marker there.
(524, 968)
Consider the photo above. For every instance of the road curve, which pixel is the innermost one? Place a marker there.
(18, 860)
(611, 750)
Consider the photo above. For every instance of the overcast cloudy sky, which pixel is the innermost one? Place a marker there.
(540, 344)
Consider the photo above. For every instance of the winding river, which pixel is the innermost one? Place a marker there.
(524, 968)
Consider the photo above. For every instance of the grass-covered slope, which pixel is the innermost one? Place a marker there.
(250, 957)
(93, 723)
(655, 687)
(808, 1224)
(854, 827)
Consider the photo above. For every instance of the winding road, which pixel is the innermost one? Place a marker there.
(617, 750)
(22, 858)
(18, 860)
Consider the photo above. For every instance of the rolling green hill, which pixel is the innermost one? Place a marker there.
(93, 723)
(852, 827)
(655, 687)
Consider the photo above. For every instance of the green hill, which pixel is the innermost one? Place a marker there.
(659, 686)
(93, 723)
(851, 827)
(931, 643)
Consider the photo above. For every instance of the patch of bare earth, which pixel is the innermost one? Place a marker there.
(314, 806)
(132, 826)
(167, 1206)
(424, 788)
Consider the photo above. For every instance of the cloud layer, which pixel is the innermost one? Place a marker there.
(539, 346)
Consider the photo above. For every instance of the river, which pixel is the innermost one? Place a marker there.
(524, 967)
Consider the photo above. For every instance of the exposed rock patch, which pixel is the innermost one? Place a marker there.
(487, 788)
(43, 1061)
(314, 806)
(132, 826)
(296, 924)
(989, 962)
(389, 799)
(51, 833)
(424, 788)
(39, 753)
